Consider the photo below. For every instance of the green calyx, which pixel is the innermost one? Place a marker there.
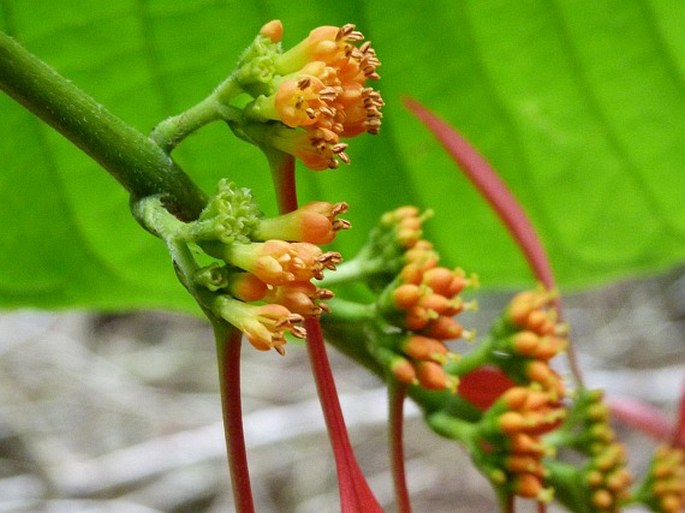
(257, 66)
(230, 216)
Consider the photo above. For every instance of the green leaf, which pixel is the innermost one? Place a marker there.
(579, 105)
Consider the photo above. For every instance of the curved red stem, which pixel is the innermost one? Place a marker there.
(495, 191)
(678, 436)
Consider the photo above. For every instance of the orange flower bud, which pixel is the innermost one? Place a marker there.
(424, 348)
(515, 397)
(528, 486)
(406, 295)
(444, 281)
(411, 273)
(300, 297)
(521, 464)
(417, 318)
(403, 371)
(435, 302)
(246, 287)
(444, 328)
(602, 499)
(511, 422)
(273, 30)
(526, 343)
(522, 443)
(432, 376)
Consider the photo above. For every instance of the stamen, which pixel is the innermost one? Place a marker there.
(341, 224)
(330, 259)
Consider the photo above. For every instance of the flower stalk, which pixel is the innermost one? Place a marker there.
(397, 393)
(228, 345)
(355, 493)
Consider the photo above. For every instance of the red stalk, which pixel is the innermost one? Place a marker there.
(396, 395)
(678, 439)
(228, 342)
(641, 416)
(495, 191)
(355, 494)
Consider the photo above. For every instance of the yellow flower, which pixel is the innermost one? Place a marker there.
(315, 222)
(264, 326)
(277, 262)
(320, 86)
(334, 46)
(300, 297)
(318, 148)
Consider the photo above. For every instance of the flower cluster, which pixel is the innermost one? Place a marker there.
(316, 91)
(512, 428)
(607, 478)
(605, 472)
(531, 331)
(520, 395)
(264, 285)
(422, 301)
(664, 487)
(602, 482)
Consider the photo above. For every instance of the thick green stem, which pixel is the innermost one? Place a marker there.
(133, 159)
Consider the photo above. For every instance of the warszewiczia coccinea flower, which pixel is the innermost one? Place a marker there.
(512, 428)
(318, 94)
(421, 300)
(278, 262)
(263, 286)
(264, 326)
(664, 486)
(316, 223)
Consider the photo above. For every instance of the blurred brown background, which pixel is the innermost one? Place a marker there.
(120, 413)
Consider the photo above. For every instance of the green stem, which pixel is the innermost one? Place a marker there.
(168, 133)
(451, 427)
(477, 357)
(343, 310)
(173, 130)
(356, 269)
(134, 160)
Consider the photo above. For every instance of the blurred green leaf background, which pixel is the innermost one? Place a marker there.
(580, 106)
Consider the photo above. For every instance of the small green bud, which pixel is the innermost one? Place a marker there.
(230, 216)
(213, 277)
(257, 66)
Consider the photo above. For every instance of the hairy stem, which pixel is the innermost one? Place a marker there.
(134, 160)
(168, 133)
